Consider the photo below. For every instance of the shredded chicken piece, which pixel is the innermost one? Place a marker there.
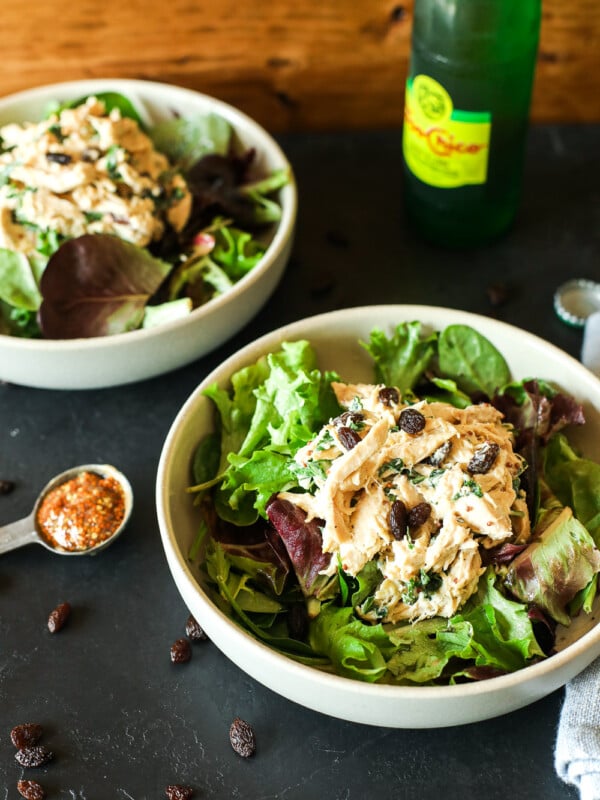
(84, 170)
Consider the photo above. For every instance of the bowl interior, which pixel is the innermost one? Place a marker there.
(336, 338)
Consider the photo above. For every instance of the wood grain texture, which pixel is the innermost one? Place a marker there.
(292, 64)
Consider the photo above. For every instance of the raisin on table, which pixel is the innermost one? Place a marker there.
(58, 617)
(34, 756)
(6, 486)
(194, 630)
(176, 791)
(242, 738)
(26, 734)
(31, 790)
(181, 651)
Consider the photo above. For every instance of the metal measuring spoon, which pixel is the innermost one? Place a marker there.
(26, 531)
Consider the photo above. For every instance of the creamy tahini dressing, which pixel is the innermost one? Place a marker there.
(430, 569)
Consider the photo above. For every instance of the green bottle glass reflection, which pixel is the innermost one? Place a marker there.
(466, 116)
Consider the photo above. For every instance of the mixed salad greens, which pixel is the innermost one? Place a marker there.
(63, 279)
(263, 563)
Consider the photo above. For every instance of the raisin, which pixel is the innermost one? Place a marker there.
(35, 756)
(483, 458)
(58, 617)
(242, 738)
(181, 651)
(59, 158)
(411, 421)
(389, 396)
(439, 456)
(349, 419)
(194, 630)
(398, 519)
(26, 734)
(31, 790)
(418, 515)
(6, 486)
(498, 294)
(348, 437)
(176, 791)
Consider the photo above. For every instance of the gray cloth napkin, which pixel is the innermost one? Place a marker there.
(577, 753)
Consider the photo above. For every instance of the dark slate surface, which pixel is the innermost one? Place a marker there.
(123, 721)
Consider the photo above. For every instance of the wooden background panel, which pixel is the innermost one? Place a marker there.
(292, 64)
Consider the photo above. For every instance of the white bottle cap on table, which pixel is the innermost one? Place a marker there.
(577, 303)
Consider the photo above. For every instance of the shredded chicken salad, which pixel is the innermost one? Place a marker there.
(428, 527)
(108, 223)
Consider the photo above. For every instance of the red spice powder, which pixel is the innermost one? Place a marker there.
(82, 512)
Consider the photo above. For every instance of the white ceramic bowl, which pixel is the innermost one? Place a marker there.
(127, 357)
(335, 337)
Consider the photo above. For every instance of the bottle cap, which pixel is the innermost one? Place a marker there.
(575, 300)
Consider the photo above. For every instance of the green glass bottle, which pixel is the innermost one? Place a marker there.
(466, 116)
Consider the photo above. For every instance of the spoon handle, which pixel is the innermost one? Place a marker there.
(18, 534)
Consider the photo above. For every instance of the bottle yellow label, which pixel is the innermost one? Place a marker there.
(443, 146)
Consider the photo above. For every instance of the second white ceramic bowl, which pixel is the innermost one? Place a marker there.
(133, 356)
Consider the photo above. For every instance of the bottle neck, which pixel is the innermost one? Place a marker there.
(485, 31)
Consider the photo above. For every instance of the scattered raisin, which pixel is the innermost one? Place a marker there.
(398, 13)
(26, 734)
(194, 630)
(483, 458)
(31, 790)
(181, 651)
(439, 456)
(418, 515)
(34, 756)
(388, 396)
(177, 792)
(398, 519)
(58, 617)
(6, 486)
(59, 158)
(349, 418)
(348, 437)
(498, 294)
(242, 738)
(411, 421)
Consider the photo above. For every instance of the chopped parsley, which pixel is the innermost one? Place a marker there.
(93, 216)
(396, 466)
(469, 486)
(325, 441)
(48, 242)
(56, 131)
(392, 467)
(434, 477)
(426, 583)
(112, 163)
(312, 474)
